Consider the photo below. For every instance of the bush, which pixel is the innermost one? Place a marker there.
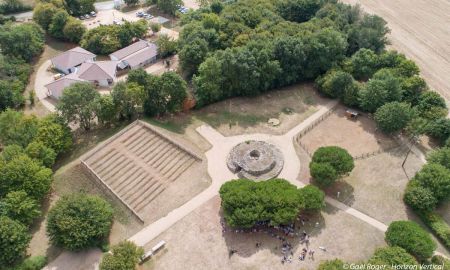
(436, 178)
(440, 156)
(393, 116)
(335, 264)
(14, 240)
(313, 197)
(336, 156)
(432, 106)
(439, 129)
(32, 263)
(334, 83)
(390, 256)
(42, 153)
(323, 173)
(419, 198)
(245, 202)
(18, 206)
(123, 256)
(410, 236)
(79, 221)
(438, 225)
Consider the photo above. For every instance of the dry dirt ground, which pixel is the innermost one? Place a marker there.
(420, 29)
(236, 116)
(197, 242)
(357, 136)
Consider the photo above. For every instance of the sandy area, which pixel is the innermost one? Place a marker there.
(420, 29)
(197, 242)
(358, 136)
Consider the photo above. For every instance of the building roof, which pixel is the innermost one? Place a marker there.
(72, 58)
(138, 57)
(95, 71)
(131, 49)
(57, 87)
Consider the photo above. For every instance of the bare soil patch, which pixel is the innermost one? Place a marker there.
(357, 136)
(197, 242)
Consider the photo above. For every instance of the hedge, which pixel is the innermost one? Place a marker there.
(436, 223)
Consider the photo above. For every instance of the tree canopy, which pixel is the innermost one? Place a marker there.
(79, 221)
(393, 116)
(14, 239)
(124, 256)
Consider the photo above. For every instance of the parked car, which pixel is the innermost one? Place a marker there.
(87, 16)
(140, 14)
(81, 17)
(93, 14)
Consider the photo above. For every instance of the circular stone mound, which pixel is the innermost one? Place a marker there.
(256, 160)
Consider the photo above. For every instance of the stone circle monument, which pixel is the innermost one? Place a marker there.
(256, 160)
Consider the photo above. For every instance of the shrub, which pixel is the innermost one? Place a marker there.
(410, 236)
(18, 206)
(335, 264)
(245, 202)
(419, 198)
(323, 173)
(14, 240)
(39, 151)
(436, 178)
(79, 221)
(32, 263)
(439, 129)
(123, 256)
(440, 156)
(431, 105)
(314, 198)
(393, 116)
(334, 83)
(337, 157)
(392, 256)
(438, 225)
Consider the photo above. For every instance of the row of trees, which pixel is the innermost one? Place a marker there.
(246, 203)
(54, 18)
(30, 148)
(141, 93)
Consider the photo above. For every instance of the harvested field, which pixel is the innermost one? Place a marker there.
(356, 136)
(197, 242)
(139, 163)
(420, 29)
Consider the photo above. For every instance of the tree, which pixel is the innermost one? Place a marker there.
(439, 129)
(26, 174)
(14, 240)
(335, 264)
(77, 104)
(369, 32)
(55, 134)
(298, 10)
(42, 153)
(128, 98)
(393, 116)
(10, 152)
(58, 23)
(419, 198)
(410, 236)
(79, 7)
(131, 2)
(323, 173)
(43, 14)
(17, 128)
(313, 197)
(336, 156)
(22, 40)
(363, 64)
(290, 53)
(73, 30)
(413, 87)
(11, 94)
(432, 106)
(19, 207)
(106, 110)
(167, 46)
(440, 156)
(436, 178)
(392, 256)
(334, 83)
(169, 6)
(384, 87)
(79, 221)
(245, 202)
(123, 256)
(192, 55)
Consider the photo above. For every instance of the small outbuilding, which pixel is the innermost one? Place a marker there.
(138, 54)
(68, 61)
